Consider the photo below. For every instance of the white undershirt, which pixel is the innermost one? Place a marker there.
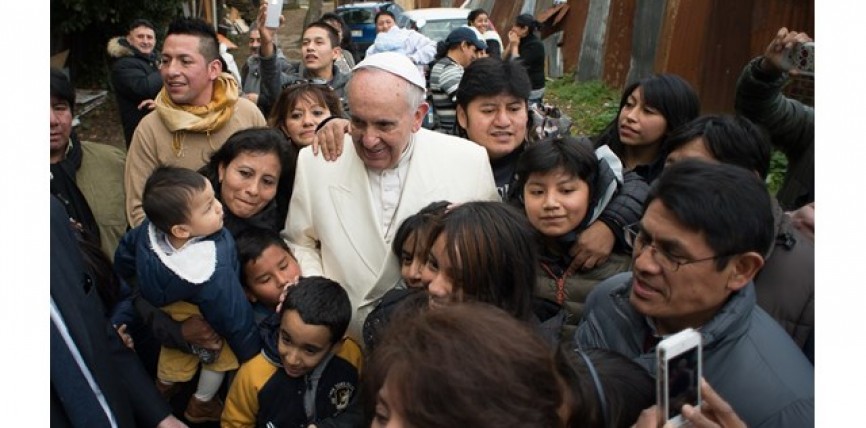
(386, 187)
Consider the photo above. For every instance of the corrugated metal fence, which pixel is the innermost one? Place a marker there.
(706, 41)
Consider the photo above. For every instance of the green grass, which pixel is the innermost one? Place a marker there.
(592, 105)
(778, 165)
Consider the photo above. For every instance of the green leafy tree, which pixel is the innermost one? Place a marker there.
(85, 26)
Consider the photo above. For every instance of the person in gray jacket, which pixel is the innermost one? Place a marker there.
(696, 251)
(320, 48)
(785, 286)
(251, 73)
(791, 124)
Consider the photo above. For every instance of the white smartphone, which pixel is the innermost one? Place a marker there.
(275, 9)
(678, 379)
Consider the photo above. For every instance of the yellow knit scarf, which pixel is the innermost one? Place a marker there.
(180, 119)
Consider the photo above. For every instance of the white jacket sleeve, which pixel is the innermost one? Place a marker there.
(300, 230)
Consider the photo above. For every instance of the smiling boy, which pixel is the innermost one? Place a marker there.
(319, 373)
(268, 268)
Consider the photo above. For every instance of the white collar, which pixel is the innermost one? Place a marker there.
(194, 262)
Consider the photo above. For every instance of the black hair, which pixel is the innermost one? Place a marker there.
(333, 36)
(670, 94)
(208, 44)
(730, 139)
(623, 390)
(260, 139)
(494, 48)
(475, 13)
(320, 301)
(728, 204)
(252, 242)
(346, 39)
(491, 76)
(167, 196)
(441, 51)
(416, 222)
(569, 153)
(493, 254)
(384, 12)
(62, 88)
(528, 21)
(141, 23)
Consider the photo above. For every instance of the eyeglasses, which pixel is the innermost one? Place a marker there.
(637, 239)
(307, 82)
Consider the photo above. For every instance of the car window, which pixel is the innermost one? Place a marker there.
(357, 16)
(403, 21)
(439, 30)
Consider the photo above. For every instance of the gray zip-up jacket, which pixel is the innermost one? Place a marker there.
(747, 357)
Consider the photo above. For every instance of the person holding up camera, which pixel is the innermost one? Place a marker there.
(790, 123)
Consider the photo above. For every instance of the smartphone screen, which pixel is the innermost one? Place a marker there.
(682, 381)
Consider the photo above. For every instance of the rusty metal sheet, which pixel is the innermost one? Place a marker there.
(618, 44)
(552, 19)
(572, 36)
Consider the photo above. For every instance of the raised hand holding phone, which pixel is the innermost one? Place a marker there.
(785, 45)
(800, 59)
(267, 34)
(275, 10)
(715, 412)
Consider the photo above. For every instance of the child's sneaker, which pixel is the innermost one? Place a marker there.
(198, 411)
(206, 356)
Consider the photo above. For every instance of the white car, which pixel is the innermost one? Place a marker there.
(437, 22)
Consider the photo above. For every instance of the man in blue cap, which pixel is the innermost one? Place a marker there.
(458, 50)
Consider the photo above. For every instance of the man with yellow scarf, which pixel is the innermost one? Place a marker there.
(197, 109)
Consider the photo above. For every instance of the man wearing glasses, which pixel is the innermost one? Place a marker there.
(695, 253)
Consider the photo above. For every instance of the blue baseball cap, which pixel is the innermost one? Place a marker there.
(464, 34)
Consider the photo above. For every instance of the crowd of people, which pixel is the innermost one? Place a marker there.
(299, 249)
